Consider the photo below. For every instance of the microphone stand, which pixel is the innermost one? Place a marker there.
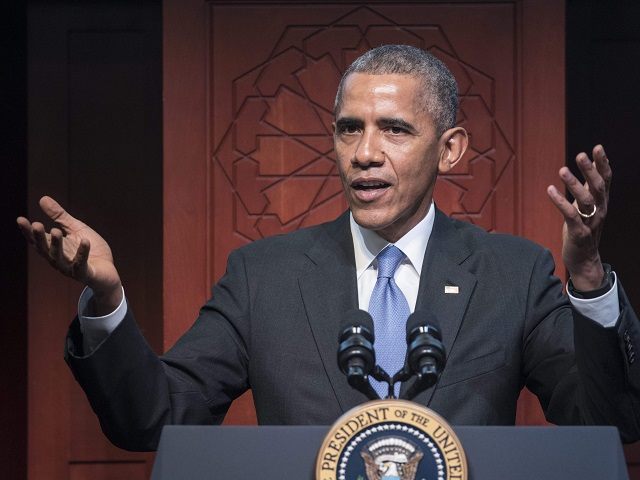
(425, 379)
(380, 375)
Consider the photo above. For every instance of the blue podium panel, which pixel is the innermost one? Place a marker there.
(234, 453)
(278, 452)
(549, 453)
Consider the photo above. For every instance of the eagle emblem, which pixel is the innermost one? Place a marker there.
(391, 458)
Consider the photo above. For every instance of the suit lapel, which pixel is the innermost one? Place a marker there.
(442, 267)
(329, 289)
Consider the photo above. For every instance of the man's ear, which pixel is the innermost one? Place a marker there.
(453, 143)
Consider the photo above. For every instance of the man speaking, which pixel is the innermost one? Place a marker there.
(273, 320)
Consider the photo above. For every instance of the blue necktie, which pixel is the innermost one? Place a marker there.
(390, 310)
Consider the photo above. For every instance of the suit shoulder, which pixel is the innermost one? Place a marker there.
(286, 244)
(498, 243)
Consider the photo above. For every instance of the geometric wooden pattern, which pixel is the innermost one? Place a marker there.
(273, 163)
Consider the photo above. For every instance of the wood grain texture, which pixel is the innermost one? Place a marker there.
(542, 139)
(186, 213)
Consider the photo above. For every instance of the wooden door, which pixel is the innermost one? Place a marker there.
(95, 145)
(249, 89)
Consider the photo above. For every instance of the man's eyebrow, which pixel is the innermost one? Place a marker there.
(396, 122)
(348, 122)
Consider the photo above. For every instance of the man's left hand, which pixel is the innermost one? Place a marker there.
(584, 219)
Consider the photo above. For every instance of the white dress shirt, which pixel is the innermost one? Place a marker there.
(367, 245)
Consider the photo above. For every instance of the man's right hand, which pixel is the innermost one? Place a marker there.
(77, 251)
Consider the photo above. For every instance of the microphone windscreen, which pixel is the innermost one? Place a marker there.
(422, 318)
(355, 318)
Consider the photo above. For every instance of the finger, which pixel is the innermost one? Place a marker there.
(40, 239)
(602, 165)
(568, 211)
(583, 197)
(594, 180)
(55, 212)
(55, 251)
(79, 263)
(25, 227)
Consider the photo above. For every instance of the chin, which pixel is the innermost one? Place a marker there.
(370, 220)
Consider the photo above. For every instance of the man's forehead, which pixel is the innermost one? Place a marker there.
(395, 91)
(382, 81)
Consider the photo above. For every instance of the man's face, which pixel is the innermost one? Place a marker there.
(387, 152)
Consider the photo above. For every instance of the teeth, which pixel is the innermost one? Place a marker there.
(367, 185)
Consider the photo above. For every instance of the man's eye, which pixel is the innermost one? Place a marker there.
(349, 129)
(396, 130)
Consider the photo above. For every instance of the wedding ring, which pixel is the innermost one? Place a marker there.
(586, 215)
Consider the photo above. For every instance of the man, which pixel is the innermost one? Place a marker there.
(273, 321)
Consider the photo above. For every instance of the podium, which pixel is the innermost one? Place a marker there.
(279, 452)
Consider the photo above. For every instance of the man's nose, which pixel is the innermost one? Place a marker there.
(368, 151)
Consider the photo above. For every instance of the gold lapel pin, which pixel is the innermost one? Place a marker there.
(454, 289)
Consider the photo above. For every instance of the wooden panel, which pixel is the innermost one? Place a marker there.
(109, 471)
(269, 158)
(542, 136)
(273, 166)
(186, 215)
(542, 133)
(94, 127)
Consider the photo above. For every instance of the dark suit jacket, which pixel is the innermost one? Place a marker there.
(272, 326)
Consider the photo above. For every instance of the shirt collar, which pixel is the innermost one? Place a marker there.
(367, 243)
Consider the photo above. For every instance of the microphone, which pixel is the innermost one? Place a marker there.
(356, 357)
(426, 355)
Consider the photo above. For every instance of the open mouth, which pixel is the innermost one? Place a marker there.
(368, 191)
(369, 185)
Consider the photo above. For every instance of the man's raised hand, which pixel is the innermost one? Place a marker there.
(77, 251)
(584, 219)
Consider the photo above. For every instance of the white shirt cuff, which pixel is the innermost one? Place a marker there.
(604, 310)
(96, 329)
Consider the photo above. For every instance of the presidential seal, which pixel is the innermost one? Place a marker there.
(391, 440)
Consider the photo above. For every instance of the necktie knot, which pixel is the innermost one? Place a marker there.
(388, 261)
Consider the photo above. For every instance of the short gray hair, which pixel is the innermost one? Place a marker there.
(440, 91)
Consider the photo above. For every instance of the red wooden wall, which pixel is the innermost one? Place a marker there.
(94, 144)
(249, 89)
